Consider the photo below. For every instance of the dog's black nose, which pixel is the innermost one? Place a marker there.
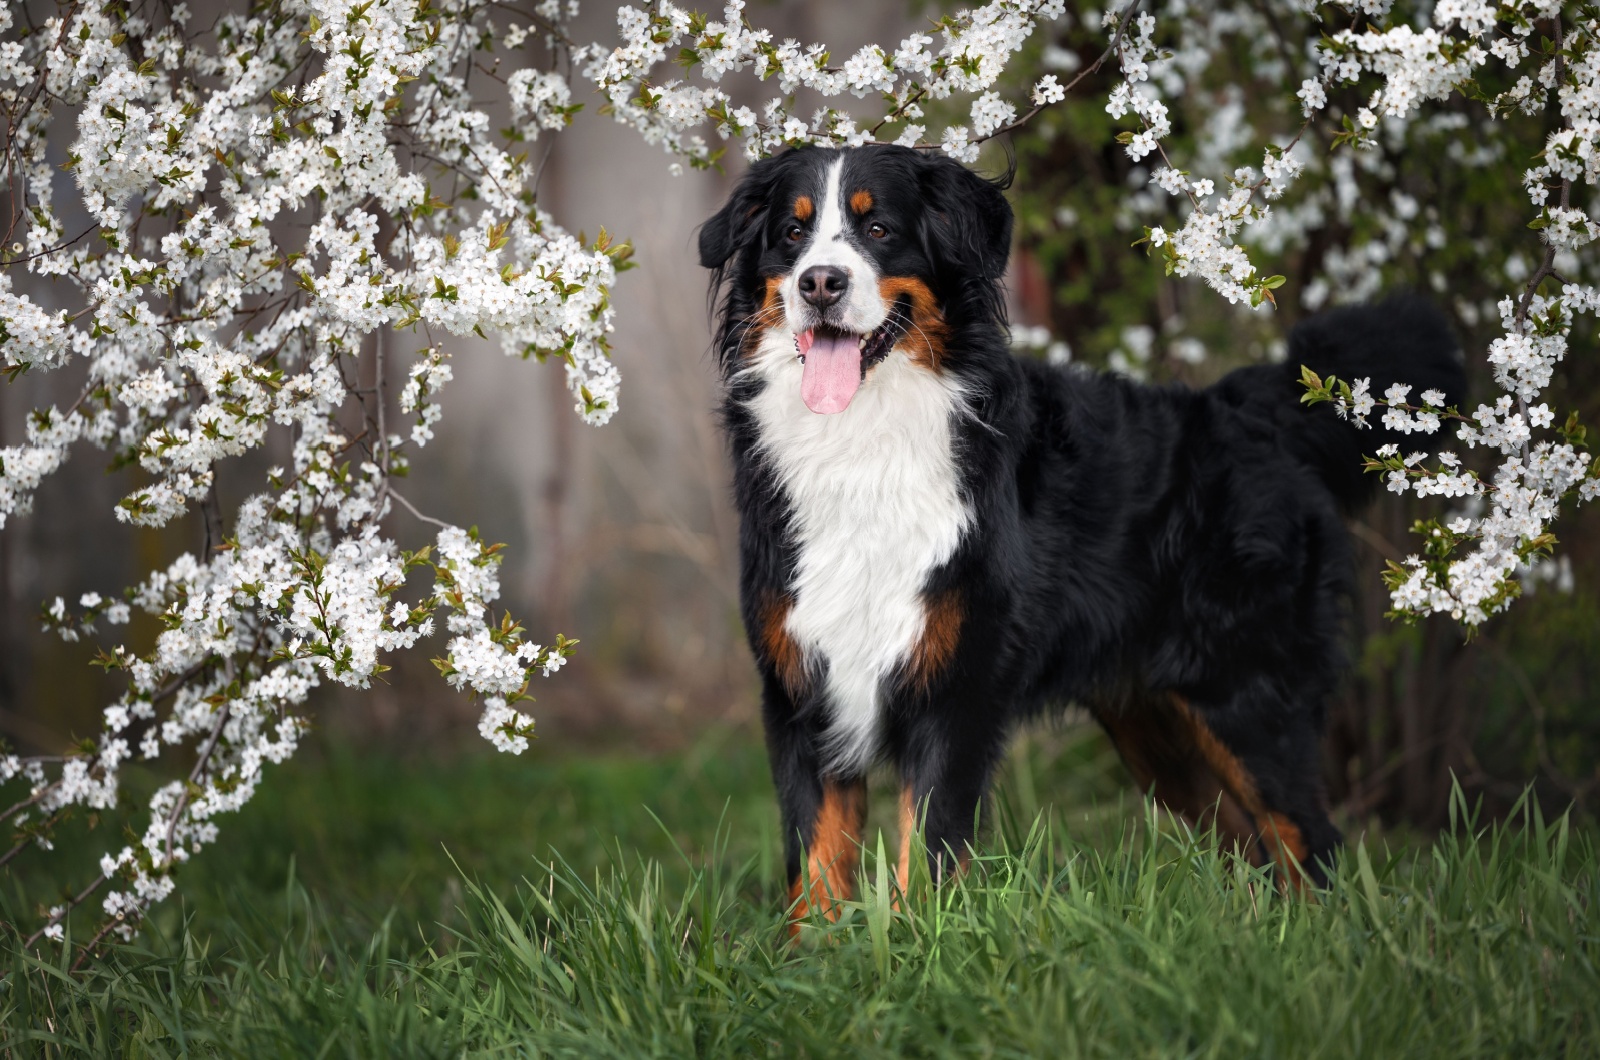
(823, 285)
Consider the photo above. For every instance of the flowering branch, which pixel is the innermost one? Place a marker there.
(1047, 92)
(205, 320)
(976, 46)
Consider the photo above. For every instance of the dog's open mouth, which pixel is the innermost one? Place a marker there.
(836, 361)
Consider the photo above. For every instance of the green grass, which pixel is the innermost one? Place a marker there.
(330, 921)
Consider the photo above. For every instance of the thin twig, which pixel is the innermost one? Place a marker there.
(25, 803)
(1546, 268)
(381, 449)
(14, 851)
(202, 762)
(1374, 540)
(413, 510)
(49, 250)
(99, 937)
(1112, 49)
(72, 904)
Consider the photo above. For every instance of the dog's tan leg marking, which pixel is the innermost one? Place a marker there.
(1280, 836)
(833, 854)
(779, 646)
(1283, 840)
(941, 634)
(908, 833)
(1162, 748)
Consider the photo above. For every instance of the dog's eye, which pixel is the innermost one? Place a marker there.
(877, 231)
(794, 233)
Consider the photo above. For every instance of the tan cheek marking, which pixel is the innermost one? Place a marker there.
(925, 340)
(941, 632)
(780, 647)
(771, 297)
(861, 202)
(763, 317)
(834, 852)
(803, 208)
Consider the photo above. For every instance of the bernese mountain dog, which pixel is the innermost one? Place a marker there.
(940, 538)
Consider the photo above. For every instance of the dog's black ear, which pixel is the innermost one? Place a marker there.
(967, 225)
(739, 222)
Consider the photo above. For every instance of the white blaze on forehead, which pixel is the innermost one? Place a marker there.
(831, 243)
(830, 216)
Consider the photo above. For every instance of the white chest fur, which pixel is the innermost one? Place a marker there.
(877, 506)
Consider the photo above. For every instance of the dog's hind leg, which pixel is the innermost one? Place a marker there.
(945, 775)
(1266, 753)
(1156, 742)
(1261, 782)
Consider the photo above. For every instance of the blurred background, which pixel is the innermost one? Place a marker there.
(624, 537)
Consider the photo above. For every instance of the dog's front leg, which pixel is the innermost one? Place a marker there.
(832, 850)
(823, 813)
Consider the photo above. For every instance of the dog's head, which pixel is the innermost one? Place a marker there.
(845, 258)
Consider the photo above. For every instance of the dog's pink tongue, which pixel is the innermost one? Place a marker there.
(832, 372)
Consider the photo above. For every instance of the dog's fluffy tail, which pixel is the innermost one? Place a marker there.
(1403, 339)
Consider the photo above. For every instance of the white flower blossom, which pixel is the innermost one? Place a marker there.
(1048, 90)
(1312, 96)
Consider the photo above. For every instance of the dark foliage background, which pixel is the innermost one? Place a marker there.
(1519, 701)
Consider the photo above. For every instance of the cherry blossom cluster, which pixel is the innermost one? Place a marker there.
(1523, 498)
(679, 113)
(1206, 245)
(252, 217)
(1472, 562)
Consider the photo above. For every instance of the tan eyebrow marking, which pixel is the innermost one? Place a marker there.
(803, 208)
(861, 201)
